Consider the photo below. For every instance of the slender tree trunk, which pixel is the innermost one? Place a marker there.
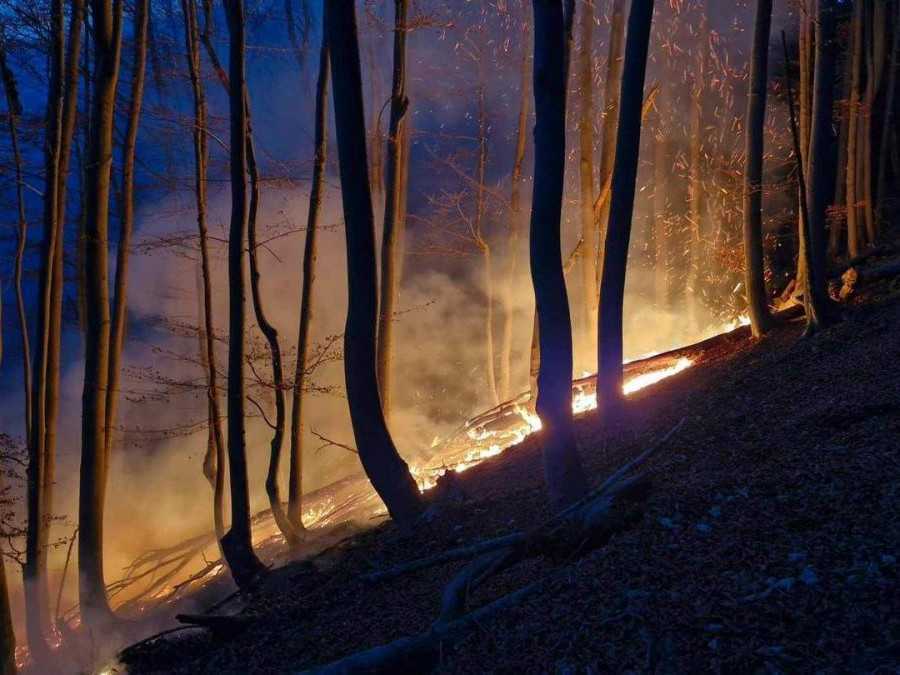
(7, 636)
(618, 234)
(566, 481)
(237, 543)
(515, 227)
(805, 60)
(316, 195)
(816, 295)
(612, 99)
(214, 462)
(95, 609)
(888, 121)
(754, 280)
(273, 489)
(590, 291)
(394, 214)
(14, 110)
(386, 469)
(875, 21)
(126, 225)
(836, 232)
(855, 235)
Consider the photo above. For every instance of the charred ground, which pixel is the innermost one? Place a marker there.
(769, 541)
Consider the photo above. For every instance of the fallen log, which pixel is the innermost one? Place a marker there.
(587, 524)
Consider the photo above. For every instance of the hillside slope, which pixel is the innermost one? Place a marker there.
(769, 542)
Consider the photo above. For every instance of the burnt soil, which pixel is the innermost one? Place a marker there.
(769, 542)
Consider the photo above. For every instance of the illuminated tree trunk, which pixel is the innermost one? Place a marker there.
(806, 58)
(888, 122)
(237, 543)
(316, 194)
(836, 231)
(385, 468)
(95, 609)
(613, 86)
(14, 110)
(618, 234)
(566, 481)
(855, 236)
(126, 225)
(754, 280)
(394, 212)
(214, 462)
(515, 226)
(590, 291)
(7, 636)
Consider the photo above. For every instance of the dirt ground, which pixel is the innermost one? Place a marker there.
(769, 542)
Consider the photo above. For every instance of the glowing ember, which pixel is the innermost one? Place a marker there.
(582, 401)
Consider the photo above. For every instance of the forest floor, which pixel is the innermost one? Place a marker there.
(769, 542)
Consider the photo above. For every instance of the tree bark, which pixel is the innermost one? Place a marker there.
(875, 21)
(611, 102)
(95, 609)
(316, 194)
(754, 281)
(816, 294)
(855, 236)
(618, 234)
(14, 110)
(126, 225)
(590, 291)
(394, 212)
(386, 469)
(515, 225)
(566, 481)
(214, 462)
(7, 636)
(237, 544)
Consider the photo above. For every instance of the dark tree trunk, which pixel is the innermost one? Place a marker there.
(394, 212)
(815, 295)
(566, 481)
(126, 225)
(95, 609)
(386, 469)
(214, 462)
(316, 194)
(887, 127)
(754, 151)
(855, 235)
(618, 234)
(237, 543)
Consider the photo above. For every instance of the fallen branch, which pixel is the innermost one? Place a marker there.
(857, 276)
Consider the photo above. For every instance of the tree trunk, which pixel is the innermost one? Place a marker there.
(7, 636)
(14, 110)
(386, 469)
(126, 225)
(836, 232)
(515, 226)
(237, 543)
(566, 481)
(273, 489)
(590, 291)
(316, 194)
(816, 295)
(612, 99)
(394, 213)
(881, 192)
(875, 21)
(95, 609)
(214, 462)
(855, 236)
(754, 280)
(618, 234)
